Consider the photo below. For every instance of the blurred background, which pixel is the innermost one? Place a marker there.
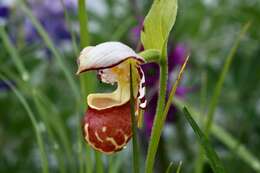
(39, 93)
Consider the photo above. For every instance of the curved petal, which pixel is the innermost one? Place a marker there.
(141, 92)
(119, 74)
(105, 55)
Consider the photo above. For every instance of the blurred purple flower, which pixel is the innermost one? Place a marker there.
(4, 86)
(150, 113)
(135, 33)
(151, 74)
(177, 56)
(51, 15)
(4, 13)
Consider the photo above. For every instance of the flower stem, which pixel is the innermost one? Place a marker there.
(86, 86)
(135, 150)
(159, 119)
(69, 25)
(99, 163)
(83, 22)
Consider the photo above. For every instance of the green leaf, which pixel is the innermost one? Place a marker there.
(224, 71)
(14, 54)
(31, 115)
(158, 23)
(70, 27)
(214, 160)
(242, 152)
(170, 167)
(179, 167)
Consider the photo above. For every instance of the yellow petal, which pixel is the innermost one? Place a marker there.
(121, 95)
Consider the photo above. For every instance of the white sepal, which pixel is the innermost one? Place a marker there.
(105, 55)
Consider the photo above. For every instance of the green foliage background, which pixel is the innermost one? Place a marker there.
(208, 28)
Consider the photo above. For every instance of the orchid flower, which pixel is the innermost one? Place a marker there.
(107, 122)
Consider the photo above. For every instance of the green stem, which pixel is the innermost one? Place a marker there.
(162, 111)
(99, 162)
(217, 90)
(89, 166)
(83, 42)
(14, 55)
(169, 168)
(111, 162)
(56, 123)
(42, 112)
(83, 23)
(116, 162)
(151, 55)
(199, 160)
(179, 167)
(159, 119)
(69, 25)
(203, 98)
(174, 88)
(85, 84)
(136, 167)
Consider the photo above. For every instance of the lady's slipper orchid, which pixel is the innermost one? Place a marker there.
(107, 122)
